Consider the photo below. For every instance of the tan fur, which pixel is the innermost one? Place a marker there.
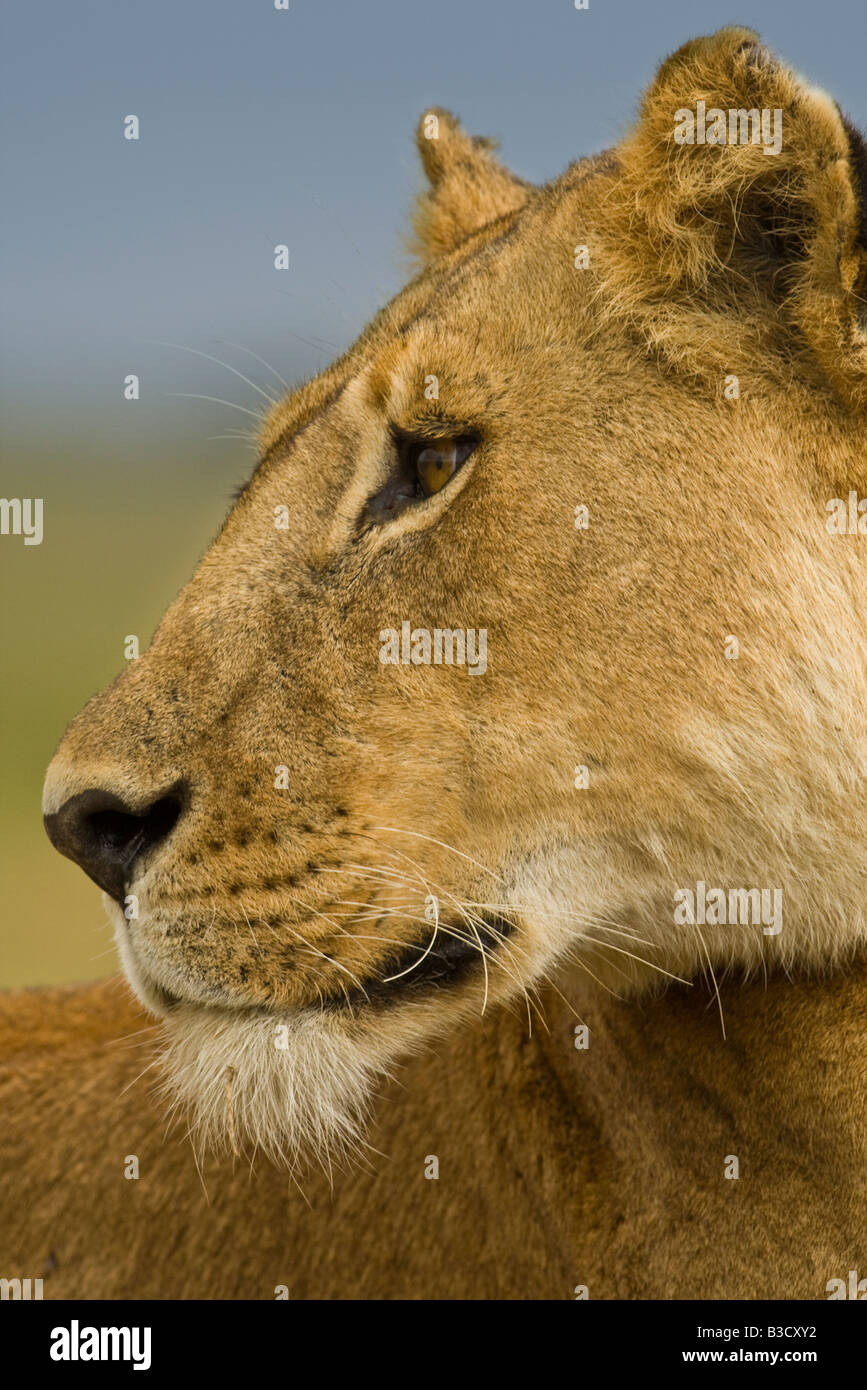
(557, 1168)
(413, 784)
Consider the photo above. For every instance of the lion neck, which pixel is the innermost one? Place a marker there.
(749, 1150)
(781, 1065)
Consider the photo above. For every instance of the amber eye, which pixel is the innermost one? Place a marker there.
(433, 462)
(424, 468)
(435, 465)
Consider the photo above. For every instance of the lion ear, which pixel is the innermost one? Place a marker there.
(743, 198)
(468, 187)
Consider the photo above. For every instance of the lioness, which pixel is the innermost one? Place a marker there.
(527, 678)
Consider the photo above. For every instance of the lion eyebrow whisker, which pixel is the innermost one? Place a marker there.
(218, 400)
(243, 436)
(226, 342)
(209, 357)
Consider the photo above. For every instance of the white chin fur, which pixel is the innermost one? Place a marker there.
(294, 1087)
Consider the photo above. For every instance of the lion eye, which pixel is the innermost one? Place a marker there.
(424, 468)
(433, 462)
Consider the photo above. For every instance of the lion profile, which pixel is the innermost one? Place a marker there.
(600, 426)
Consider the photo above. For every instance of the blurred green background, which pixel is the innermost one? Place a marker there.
(118, 544)
(258, 127)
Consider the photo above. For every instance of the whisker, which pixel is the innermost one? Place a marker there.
(419, 836)
(316, 950)
(609, 946)
(224, 342)
(209, 357)
(218, 400)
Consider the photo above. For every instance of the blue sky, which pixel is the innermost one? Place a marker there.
(260, 127)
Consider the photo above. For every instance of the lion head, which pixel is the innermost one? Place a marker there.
(531, 618)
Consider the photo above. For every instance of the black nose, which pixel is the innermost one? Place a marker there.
(106, 838)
